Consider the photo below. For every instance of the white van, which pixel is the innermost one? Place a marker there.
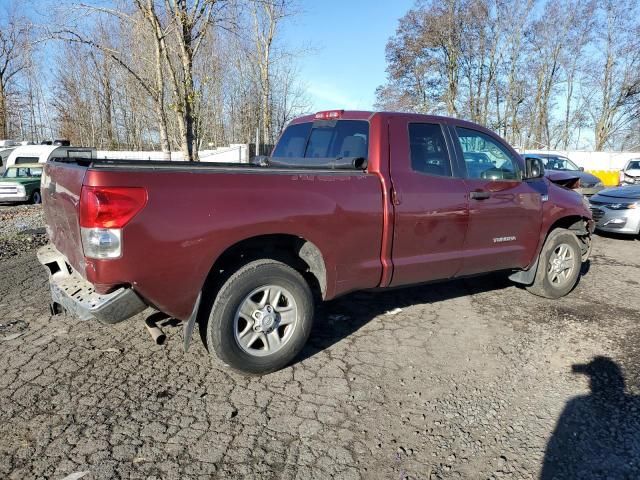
(41, 153)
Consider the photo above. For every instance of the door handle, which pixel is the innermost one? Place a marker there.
(479, 195)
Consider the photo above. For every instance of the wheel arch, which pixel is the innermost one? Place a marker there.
(297, 252)
(576, 223)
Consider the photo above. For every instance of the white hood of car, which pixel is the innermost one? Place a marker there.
(635, 172)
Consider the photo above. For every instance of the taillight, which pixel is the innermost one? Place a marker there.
(104, 211)
(110, 207)
(329, 115)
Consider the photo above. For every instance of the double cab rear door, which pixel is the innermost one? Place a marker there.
(460, 204)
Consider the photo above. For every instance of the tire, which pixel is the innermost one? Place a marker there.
(559, 265)
(36, 198)
(586, 246)
(243, 326)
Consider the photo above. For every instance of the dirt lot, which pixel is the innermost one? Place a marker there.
(471, 379)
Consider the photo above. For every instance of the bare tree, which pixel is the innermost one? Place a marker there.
(15, 42)
(618, 86)
(128, 55)
(267, 17)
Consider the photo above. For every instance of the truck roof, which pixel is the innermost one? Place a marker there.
(369, 114)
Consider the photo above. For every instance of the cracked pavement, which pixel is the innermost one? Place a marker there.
(468, 380)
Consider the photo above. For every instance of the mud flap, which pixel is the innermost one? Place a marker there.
(191, 323)
(526, 277)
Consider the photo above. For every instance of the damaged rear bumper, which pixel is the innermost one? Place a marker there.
(73, 293)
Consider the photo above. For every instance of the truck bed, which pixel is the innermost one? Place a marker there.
(197, 211)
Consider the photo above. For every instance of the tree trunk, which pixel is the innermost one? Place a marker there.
(3, 112)
(161, 114)
(108, 105)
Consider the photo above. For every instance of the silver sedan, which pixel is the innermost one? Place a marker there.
(617, 210)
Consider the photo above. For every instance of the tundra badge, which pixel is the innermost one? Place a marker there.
(504, 239)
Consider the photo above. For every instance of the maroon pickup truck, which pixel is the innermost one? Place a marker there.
(348, 200)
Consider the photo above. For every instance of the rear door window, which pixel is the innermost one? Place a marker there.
(428, 147)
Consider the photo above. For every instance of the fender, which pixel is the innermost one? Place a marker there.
(553, 215)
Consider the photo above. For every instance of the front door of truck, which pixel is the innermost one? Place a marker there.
(430, 202)
(505, 213)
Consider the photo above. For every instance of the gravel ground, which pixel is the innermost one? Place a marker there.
(21, 229)
(469, 379)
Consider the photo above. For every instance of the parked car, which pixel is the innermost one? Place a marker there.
(617, 209)
(630, 174)
(347, 201)
(21, 184)
(589, 183)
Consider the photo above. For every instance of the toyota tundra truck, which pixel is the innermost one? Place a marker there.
(348, 200)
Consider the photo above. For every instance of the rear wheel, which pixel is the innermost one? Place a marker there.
(261, 318)
(559, 265)
(36, 198)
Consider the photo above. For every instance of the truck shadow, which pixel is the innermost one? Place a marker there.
(340, 318)
(597, 436)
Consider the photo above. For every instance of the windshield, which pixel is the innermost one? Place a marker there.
(324, 139)
(23, 172)
(560, 163)
(634, 165)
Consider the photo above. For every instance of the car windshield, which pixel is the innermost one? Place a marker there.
(634, 165)
(23, 172)
(560, 163)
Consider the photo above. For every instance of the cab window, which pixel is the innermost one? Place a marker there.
(486, 158)
(428, 148)
(325, 139)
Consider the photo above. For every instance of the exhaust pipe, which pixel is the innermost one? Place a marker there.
(56, 309)
(156, 333)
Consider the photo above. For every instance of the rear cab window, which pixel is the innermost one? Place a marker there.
(23, 160)
(323, 139)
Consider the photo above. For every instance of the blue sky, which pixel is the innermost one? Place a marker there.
(348, 38)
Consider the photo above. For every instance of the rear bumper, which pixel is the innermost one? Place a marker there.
(76, 295)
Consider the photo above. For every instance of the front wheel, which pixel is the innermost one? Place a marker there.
(559, 265)
(261, 317)
(36, 198)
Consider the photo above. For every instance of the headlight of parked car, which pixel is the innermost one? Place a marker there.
(598, 185)
(621, 206)
(21, 190)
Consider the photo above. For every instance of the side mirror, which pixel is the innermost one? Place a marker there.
(534, 168)
(581, 169)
